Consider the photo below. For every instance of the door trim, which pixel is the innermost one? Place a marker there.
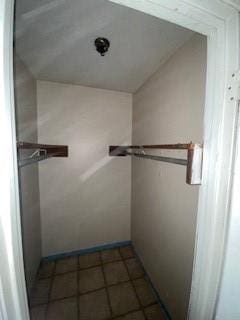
(219, 21)
(13, 297)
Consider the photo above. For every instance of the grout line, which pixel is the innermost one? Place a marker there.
(125, 314)
(86, 293)
(106, 286)
(50, 289)
(82, 269)
(135, 291)
(64, 297)
(102, 263)
(55, 300)
(89, 292)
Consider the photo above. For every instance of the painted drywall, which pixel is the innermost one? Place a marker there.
(85, 198)
(26, 121)
(168, 109)
(56, 40)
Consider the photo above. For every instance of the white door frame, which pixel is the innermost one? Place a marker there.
(13, 298)
(219, 21)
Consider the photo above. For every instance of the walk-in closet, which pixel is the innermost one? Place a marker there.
(110, 125)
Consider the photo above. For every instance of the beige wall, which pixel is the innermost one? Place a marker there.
(85, 198)
(168, 109)
(26, 118)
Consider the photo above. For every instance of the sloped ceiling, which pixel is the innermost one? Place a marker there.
(55, 39)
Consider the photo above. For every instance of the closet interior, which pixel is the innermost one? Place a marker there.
(109, 114)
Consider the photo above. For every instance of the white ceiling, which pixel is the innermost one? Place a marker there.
(55, 39)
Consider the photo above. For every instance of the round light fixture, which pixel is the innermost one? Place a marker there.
(102, 45)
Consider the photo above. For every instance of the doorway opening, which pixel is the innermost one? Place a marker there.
(93, 170)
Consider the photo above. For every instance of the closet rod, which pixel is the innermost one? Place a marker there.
(193, 162)
(28, 161)
(121, 150)
(182, 162)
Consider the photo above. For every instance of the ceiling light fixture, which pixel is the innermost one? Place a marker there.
(102, 45)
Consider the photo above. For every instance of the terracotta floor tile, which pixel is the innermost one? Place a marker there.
(127, 252)
(65, 309)
(94, 306)
(66, 282)
(91, 279)
(40, 292)
(134, 268)
(64, 285)
(89, 260)
(138, 315)
(110, 255)
(46, 269)
(144, 292)
(123, 298)
(154, 313)
(66, 265)
(115, 272)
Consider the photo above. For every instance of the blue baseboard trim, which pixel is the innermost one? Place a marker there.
(157, 295)
(166, 312)
(79, 252)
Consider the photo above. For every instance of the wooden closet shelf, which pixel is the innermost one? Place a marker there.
(49, 149)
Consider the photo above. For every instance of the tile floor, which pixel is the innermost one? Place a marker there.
(108, 284)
